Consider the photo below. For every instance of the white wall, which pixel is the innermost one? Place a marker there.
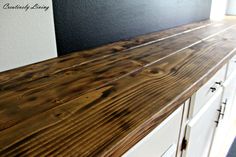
(218, 9)
(231, 7)
(26, 36)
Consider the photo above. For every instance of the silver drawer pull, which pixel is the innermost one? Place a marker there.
(224, 107)
(219, 83)
(213, 89)
(219, 116)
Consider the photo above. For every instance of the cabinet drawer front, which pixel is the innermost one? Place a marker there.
(200, 98)
(162, 141)
(231, 67)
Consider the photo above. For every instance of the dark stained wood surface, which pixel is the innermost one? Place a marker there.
(101, 102)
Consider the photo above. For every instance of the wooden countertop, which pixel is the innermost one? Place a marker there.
(102, 101)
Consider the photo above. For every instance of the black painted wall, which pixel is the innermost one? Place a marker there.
(83, 24)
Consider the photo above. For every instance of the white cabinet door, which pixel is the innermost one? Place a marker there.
(162, 141)
(200, 129)
(221, 144)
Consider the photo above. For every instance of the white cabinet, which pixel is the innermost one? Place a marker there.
(200, 129)
(204, 137)
(221, 143)
(162, 141)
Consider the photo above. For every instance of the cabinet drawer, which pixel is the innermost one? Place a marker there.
(162, 141)
(231, 67)
(200, 98)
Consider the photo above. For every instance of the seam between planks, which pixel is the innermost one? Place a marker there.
(147, 43)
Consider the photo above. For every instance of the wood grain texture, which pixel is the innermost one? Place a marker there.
(101, 102)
